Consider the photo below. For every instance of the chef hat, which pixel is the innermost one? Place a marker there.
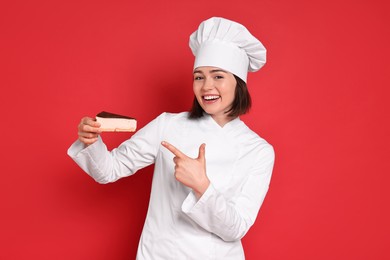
(228, 45)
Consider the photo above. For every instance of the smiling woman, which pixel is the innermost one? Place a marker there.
(214, 91)
(240, 104)
(211, 171)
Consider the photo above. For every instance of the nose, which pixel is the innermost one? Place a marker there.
(208, 84)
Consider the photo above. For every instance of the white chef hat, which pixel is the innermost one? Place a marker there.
(228, 45)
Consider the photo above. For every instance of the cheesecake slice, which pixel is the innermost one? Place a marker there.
(111, 122)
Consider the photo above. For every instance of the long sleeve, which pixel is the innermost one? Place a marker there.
(231, 218)
(108, 166)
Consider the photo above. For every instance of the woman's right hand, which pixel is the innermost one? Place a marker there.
(88, 130)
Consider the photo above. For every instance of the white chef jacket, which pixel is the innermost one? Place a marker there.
(178, 226)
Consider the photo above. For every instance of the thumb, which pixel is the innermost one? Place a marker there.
(202, 152)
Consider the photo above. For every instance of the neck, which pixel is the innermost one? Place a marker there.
(222, 120)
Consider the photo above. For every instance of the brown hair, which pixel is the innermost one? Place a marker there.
(241, 104)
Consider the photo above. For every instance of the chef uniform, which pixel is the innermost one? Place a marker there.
(238, 164)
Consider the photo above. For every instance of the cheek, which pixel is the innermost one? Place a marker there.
(230, 92)
(195, 89)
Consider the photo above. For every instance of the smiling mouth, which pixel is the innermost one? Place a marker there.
(211, 97)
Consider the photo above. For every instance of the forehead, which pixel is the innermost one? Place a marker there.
(209, 69)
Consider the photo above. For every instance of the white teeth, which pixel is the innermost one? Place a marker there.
(210, 97)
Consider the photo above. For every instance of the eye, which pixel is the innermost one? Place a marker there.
(218, 77)
(198, 77)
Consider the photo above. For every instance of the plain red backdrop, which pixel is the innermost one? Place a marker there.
(322, 100)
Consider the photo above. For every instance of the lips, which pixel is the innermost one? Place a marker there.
(211, 97)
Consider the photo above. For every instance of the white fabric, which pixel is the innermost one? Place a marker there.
(238, 163)
(228, 45)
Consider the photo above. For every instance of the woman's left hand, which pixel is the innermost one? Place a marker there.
(189, 171)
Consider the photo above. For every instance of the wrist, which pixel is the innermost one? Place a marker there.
(202, 187)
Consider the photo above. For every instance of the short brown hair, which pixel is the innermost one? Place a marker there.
(241, 104)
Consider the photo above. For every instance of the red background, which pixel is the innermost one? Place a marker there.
(322, 100)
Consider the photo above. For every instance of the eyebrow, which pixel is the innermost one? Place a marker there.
(211, 71)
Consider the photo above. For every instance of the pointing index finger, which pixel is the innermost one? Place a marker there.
(172, 149)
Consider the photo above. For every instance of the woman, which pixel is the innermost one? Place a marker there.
(211, 171)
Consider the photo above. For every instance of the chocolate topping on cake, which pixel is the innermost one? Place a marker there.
(105, 114)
